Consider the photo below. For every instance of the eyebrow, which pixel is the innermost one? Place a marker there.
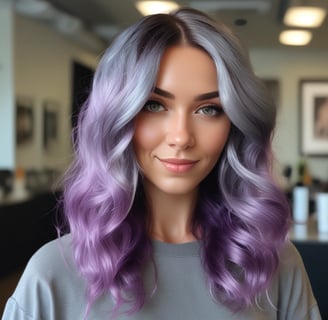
(203, 96)
(208, 95)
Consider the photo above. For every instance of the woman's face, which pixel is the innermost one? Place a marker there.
(182, 129)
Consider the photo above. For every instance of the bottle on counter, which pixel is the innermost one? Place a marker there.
(301, 194)
(19, 191)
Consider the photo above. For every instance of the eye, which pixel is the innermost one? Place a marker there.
(210, 111)
(153, 106)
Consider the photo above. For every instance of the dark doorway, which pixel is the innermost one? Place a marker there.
(82, 80)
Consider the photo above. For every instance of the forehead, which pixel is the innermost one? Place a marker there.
(188, 67)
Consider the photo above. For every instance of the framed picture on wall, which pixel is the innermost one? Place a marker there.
(314, 117)
(24, 120)
(50, 125)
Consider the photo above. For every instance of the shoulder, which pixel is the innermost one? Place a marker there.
(289, 256)
(291, 269)
(53, 255)
(52, 266)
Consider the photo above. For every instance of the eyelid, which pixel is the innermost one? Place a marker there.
(218, 108)
(151, 101)
(156, 98)
(210, 105)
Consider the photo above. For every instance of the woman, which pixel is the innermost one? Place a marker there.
(170, 203)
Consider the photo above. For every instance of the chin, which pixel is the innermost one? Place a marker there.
(177, 188)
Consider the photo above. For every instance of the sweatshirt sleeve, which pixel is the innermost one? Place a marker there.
(50, 287)
(14, 312)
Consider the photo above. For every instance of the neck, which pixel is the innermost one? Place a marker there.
(170, 216)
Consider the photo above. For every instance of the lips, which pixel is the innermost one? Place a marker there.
(178, 165)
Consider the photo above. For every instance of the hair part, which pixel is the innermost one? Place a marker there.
(242, 214)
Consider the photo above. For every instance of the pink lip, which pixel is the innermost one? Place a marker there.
(178, 165)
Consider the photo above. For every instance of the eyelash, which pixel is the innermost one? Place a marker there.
(151, 103)
(217, 110)
(213, 108)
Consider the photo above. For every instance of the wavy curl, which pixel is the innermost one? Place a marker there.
(243, 216)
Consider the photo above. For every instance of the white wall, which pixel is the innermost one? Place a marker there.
(7, 138)
(289, 66)
(43, 63)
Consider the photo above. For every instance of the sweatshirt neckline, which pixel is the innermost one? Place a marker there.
(176, 249)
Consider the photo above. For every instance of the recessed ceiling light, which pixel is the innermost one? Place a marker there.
(307, 17)
(295, 37)
(152, 7)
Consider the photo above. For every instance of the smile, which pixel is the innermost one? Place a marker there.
(178, 165)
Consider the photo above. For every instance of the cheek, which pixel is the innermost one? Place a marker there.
(214, 146)
(146, 136)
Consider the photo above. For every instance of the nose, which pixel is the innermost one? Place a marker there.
(179, 132)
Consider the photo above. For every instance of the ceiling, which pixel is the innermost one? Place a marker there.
(262, 17)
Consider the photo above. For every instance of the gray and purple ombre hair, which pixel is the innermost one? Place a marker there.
(242, 215)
